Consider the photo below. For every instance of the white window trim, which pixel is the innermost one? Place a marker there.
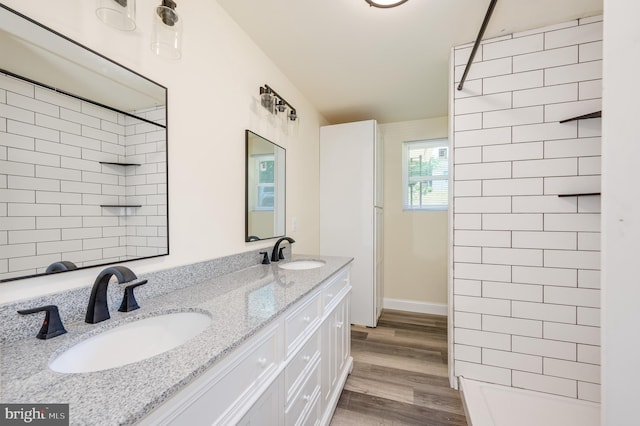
(405, 175)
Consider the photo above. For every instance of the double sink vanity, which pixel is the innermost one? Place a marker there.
(266, 343)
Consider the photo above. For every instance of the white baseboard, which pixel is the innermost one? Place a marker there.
(415, 306)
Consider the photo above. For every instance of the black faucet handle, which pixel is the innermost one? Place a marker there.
(265, 258)
(281, 253)
(52, 325)
(129, 302)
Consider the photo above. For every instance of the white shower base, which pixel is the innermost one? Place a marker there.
(487, 404)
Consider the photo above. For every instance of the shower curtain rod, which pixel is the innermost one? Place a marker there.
(487, 17)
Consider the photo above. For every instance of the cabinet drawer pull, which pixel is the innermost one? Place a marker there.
(262, 362)
(330, 295)
(306, 358)
(306, 397)
(306, 319)
(339, 325)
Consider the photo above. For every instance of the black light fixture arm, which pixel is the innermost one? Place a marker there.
(282, 101)
(483, 28)
(385, 6)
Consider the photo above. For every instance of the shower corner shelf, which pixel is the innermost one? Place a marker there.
(583, 194)
(119, 164)
(120, 205)
(596, 114)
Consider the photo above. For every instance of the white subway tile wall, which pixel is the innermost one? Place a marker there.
(526, 262)
(52, 183)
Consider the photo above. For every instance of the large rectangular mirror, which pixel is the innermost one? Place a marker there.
(83, 156)
(265, 188)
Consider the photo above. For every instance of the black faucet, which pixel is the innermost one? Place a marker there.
(62, 266)
(52, 324)
(98, 309)
(277, 254)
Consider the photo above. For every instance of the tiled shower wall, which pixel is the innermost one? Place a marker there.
(526, 262)
(52, 183)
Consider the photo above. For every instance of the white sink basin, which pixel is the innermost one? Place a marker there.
(131, 342)
(298, 265)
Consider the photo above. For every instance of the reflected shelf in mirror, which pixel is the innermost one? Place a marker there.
(120, 164)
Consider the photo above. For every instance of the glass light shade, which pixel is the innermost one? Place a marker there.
(267, 100)
(293, 125)
(281, 106)
(167, 33)
(119, 14)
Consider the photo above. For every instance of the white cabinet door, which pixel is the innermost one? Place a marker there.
(379, 170)
(347, 199)
(328, 359)
(336, 349)
(379, 262)
(336, 343)
(267, 410)
(343, 329)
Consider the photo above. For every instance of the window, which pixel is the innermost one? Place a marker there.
(425, 174)
(265, 179)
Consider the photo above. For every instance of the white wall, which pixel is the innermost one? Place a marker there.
(526, 262)
(212, 100)
(415, 242)
(620, 209)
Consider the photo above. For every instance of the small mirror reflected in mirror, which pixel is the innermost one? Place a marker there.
(265, 189)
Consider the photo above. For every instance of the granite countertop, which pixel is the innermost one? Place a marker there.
(240, 304)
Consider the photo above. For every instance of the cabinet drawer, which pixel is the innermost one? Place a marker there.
(315, 413)
(253, 364)
(333, 288)
(300, 321)
(299, 366)
(304, 399)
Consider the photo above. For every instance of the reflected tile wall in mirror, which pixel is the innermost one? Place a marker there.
(52, 182)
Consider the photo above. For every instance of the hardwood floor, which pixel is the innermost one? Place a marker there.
(400, 374)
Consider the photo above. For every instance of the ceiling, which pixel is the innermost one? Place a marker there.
(356, 62)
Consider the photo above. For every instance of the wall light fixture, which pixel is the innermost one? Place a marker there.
(275, 103)
(278, 106)
(119, 14)
(166, 39)
(167, 31)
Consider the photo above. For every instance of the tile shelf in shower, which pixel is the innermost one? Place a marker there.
(120, 164)
(584, 194)
(596, 114)
(120, 205)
